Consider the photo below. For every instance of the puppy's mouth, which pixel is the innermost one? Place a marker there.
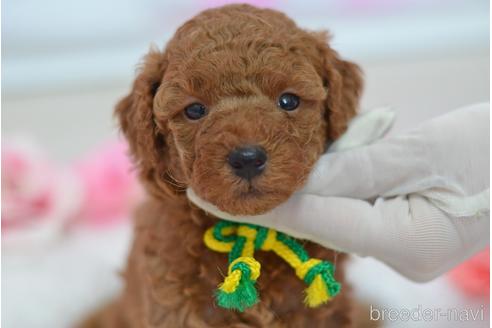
(252, 196)
(244, 197)
(251, 192)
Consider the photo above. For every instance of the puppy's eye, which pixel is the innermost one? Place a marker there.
(288, 101)
(195, 111)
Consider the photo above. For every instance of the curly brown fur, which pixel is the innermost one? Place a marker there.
(236, 60)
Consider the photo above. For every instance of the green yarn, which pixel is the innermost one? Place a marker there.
(237, 249)
(319, 268)
(261, 236)
(333, 286)
(325, 269)
(244, 296)
(218, 231)
(294, 246)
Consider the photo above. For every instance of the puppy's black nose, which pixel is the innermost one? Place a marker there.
(247, 162)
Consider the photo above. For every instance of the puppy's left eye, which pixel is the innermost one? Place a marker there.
(288, 101)
(195, 111)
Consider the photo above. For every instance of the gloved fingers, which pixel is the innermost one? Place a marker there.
(427, 242)
(433, 155)
(365, 128)
(386, 168)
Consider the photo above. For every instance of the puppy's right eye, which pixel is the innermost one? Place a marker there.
(195, 111)
(288, 101)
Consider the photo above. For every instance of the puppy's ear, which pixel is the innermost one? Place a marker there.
(343, 81)
(344, 91)
(135, 114)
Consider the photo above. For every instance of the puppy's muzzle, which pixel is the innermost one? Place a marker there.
(247, 162)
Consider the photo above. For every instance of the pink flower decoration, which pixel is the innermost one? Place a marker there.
(473, 276)
(111, 189)
(38, 197)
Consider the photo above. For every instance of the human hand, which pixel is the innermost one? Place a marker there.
(418, 202)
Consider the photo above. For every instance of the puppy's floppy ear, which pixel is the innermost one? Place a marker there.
(136, 119)
(344, 84)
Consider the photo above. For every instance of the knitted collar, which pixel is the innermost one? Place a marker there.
(238, 291)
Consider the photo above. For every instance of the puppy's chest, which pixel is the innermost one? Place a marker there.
(278, 286)
(182, 275)
(182, 264)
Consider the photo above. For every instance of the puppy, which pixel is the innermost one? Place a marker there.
(239, 106)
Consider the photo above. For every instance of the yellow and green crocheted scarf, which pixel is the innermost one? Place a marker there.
(238, 290)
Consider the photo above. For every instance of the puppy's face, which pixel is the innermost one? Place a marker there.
(239, 107)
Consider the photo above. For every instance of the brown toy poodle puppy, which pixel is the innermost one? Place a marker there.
(239, 106)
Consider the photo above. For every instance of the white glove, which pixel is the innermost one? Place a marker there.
(430, 197)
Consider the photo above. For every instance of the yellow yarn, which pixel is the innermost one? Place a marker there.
(247, 232)
(270, 240)
(272, 244)
(303, 269)
(250, 235)
(234, 277)
(253, 264)
(287, 254)
(316, 293)
(231, 281)
(214, 244)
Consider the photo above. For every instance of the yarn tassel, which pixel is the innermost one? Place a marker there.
(316, 293)
(238, 291)
(321, 285)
